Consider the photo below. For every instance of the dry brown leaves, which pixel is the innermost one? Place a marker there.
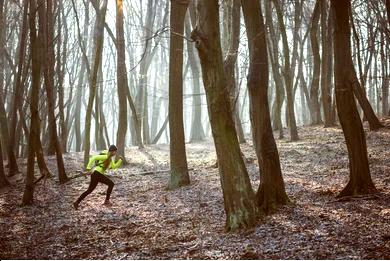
(148, 221)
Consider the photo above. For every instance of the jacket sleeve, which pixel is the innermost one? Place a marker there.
(115, 165)
(93, 159)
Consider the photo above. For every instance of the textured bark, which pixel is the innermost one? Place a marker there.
(178, 160)
(240, 205)
(359, 178)
(271, 191)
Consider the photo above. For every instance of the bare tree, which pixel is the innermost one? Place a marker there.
(359, 178)
(240, 204)
(271, 192)
(178, 159)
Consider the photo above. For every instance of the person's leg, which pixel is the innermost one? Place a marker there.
(105, 180)
(92, 186)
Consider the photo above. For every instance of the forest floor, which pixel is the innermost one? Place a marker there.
(147, 221)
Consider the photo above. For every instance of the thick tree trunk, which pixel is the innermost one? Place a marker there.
(178, 159)
(271, 192)
(97, 54)
(121, 76)
(315, 111)
(239, 198)
(359, 179)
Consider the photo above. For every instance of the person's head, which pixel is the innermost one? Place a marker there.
(112, 150)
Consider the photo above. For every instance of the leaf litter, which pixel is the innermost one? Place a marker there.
(147, 221)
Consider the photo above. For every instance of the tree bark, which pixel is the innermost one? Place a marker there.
(359, 178)
(36, 46)
(271, 191)
(233, 33)
(197, 130)
(240, 205)
(46, 25)
(12, 145)
(325, 84)
(121, 76)
(315, 111)
(97, 53)
(288, 74)
(178, 160)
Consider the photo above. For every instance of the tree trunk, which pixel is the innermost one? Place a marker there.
(315, 111)
(359, 178)
(3, 180)
(288, 74)
(274, 57)
(36, 46)
(197, 130)
(233, 33)
(271, 191)
(121, 76)
(240, 206)
(178, 159)
(325, 84)
(97, 56)
(46, 26)
(12, 144)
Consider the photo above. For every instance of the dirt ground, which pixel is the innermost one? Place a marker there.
(146, 221)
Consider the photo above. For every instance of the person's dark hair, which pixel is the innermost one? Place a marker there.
(112, 148)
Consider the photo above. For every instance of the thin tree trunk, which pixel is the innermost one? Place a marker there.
(288, 74)
(121, 76)
(46, 26)
(315, 111)
(325, 84)
(197, 131)
(233, 33)
(12, 145)
(97, 53)
(178, 160)
(37, 59)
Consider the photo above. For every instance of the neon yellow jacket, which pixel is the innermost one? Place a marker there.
(100, 159)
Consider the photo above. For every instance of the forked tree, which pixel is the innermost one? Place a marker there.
(271, 192)
(239, 199)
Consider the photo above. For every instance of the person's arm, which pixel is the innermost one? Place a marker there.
(92, 160)
(115, 165)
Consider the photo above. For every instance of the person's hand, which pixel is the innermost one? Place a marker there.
(121, 158)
